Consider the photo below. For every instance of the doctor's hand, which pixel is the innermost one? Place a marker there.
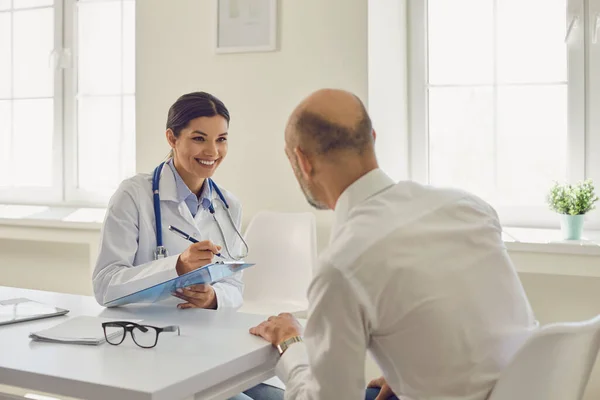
(385, 389)
(197, 296)
(277, 329)
(196, 256)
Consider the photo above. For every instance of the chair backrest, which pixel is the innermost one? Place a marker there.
(555, 363)
(284, 248)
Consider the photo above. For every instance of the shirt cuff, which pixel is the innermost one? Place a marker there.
(293, 357)
(225, 299)
(220, 296)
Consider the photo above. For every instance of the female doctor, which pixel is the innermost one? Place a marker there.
(134, 254)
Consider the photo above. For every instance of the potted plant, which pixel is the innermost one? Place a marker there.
(572, 202)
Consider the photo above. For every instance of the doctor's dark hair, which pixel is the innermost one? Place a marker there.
(191, 106)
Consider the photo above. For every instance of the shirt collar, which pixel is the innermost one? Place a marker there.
(183, 191)
(364, 187)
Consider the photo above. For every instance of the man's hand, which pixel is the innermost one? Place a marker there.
(197, 296)
(196, 256)
(278, 329)
(385, 390)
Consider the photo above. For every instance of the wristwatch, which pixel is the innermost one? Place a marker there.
(283, 346)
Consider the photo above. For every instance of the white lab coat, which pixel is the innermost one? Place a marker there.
(126, 256)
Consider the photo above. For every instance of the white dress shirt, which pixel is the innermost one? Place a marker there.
(420, 277)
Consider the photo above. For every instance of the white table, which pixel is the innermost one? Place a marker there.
(214, 358)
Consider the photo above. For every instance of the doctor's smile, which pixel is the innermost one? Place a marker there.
(207, 163)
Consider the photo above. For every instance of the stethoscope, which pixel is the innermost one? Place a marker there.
(161, 251)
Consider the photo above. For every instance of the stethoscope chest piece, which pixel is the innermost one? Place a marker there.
(160, 252)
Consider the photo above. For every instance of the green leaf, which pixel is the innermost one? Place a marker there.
(572, 199)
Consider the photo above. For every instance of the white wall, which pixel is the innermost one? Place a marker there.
(57, 267)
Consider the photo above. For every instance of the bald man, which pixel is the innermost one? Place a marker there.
(417, 275)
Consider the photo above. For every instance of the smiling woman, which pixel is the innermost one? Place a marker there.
(197, 133)
(138, 251)
(181, 195)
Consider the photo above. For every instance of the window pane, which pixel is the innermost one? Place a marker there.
(32, 142)
(5, 59)
(461, 148)
(486, 140)
(106, 83)
(129, 47)
(531, 43)
(5, 143)
(100, 61)
(460, 34)
(99, 143)
(32, 3)
(33, 45)
(4, 4)
(531, 118)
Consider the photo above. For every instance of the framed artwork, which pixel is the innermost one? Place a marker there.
(246, 26)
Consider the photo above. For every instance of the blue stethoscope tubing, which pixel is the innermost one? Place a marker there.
(161, 250)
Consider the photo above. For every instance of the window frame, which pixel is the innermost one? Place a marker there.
(583, 126)
(65, 190)
(592, 142)
(29, 195)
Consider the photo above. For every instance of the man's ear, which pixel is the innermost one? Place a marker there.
(305, 165)
(171, 139)
(374, 135)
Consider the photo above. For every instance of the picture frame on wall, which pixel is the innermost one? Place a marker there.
(246, 26)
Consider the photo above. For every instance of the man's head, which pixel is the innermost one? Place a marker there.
(329, 141)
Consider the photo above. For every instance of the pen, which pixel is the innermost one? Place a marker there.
(186, 236)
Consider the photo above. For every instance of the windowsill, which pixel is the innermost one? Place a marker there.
(550, 241)
(516, 239)
(52, 217)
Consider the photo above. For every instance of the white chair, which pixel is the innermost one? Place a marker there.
(555, 363)
(284, 248)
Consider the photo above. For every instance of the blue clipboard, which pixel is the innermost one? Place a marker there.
(208, 274)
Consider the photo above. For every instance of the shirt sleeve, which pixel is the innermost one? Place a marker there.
(330, 364)
(114, 271)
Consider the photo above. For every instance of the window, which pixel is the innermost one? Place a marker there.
(67, 100)
(498, 93)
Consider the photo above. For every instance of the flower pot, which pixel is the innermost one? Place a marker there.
(571, 226)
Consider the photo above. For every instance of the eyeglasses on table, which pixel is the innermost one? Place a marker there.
(145, 336)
